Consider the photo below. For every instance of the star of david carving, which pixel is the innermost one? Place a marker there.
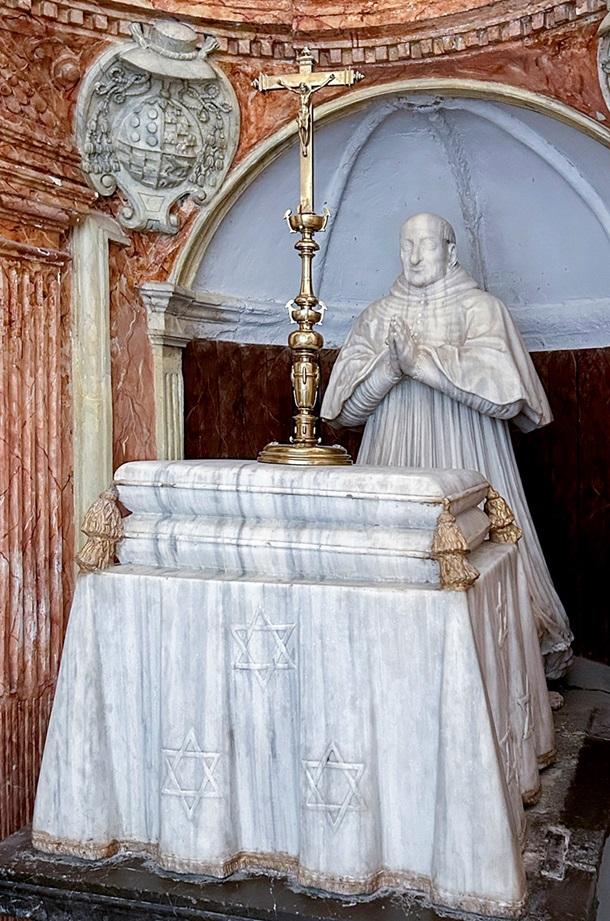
(189, 773)
(508, 749)
(502, 617)
(345, 794)
(525, 704)
(263, 647)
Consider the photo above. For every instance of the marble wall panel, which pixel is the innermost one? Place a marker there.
(230, 387)
(201, 406)
(131, 360)
(565, 467)
(593, 543)
(566, 474)
(238, 398)
(36, 535)
(276, 395)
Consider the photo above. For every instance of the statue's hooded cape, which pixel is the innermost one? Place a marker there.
(471, 375)
(470, 349)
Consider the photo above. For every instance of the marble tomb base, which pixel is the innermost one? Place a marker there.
(273, 680)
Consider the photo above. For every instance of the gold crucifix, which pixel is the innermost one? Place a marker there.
(304, 447)
(304, 84)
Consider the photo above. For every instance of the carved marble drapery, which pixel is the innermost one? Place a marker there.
(218, 554)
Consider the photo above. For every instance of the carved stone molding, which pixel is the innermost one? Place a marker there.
(156, 119)
(175, 317)
(91, 361)
(265, 38)
(14, 250)
(44, 199)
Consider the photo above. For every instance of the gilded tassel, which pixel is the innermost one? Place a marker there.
(103, 527)
(450, 549)
(503, 529)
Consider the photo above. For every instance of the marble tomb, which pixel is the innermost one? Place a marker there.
(279, 676)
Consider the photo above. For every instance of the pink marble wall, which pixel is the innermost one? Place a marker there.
(132, 372)
(41, 193)
(35, 510)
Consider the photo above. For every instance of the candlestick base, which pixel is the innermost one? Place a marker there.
(304, 455)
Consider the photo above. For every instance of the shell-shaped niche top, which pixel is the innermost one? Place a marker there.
(158, 120)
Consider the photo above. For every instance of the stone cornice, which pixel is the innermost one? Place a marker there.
(177, 315)
(24, 252)
(22, 137)
(267, 34)
(40, 194)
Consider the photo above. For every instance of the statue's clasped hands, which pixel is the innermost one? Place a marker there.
(401, 347)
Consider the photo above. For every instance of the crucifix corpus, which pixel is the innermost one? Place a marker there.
(305, 309)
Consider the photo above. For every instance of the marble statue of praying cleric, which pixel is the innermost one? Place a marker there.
(434, 370)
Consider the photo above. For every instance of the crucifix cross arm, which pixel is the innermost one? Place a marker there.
(304, 84)
(306, 77)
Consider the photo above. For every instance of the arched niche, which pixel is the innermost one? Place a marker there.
(524, 181)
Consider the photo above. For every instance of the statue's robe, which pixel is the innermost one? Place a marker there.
(472, 373)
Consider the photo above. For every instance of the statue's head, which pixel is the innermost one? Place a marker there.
(427, 249)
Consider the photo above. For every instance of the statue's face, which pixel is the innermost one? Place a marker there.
(426, 255)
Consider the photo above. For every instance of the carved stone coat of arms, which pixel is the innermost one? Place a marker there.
(159, 121)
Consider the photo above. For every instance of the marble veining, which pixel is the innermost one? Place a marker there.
(242, 518)
(350, 733)
(263, 647)
(190, 773)
(333, 799)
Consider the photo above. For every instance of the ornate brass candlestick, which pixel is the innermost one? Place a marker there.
(306, 310)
